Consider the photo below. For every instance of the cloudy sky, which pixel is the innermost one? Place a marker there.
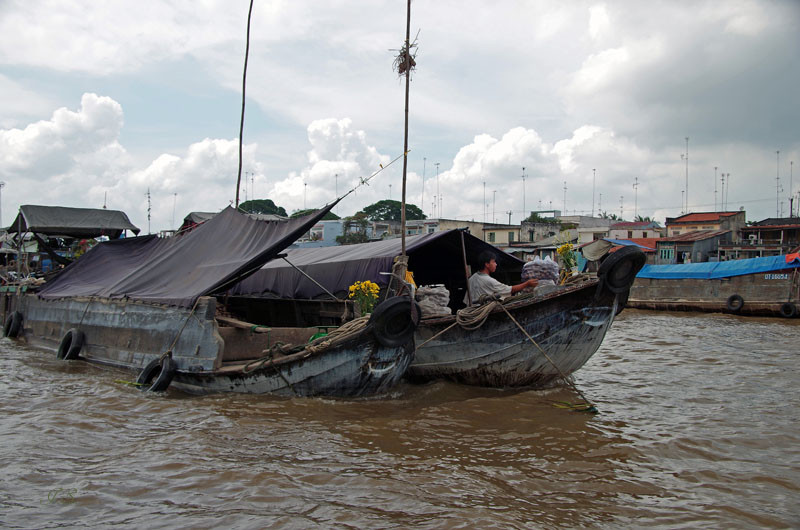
(102, 101)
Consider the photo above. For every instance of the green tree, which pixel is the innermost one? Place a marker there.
(389, 210)
(354, 230)
(613, 216)
(330, 216)
(536, 218)
(262, 206)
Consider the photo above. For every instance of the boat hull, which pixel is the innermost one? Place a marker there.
(763, 293)
(568, 325)
(208, 358)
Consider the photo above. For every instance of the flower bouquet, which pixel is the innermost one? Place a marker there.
(366, 294)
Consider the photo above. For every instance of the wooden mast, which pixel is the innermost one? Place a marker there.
(407, 59)
(244, 86)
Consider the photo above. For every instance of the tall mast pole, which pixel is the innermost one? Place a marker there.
(241, 123)
(407, 59)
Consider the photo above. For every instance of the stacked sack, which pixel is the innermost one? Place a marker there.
(545, 270)
(433, 300)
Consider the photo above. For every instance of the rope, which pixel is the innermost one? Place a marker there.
(339, 335)
(84, 312)
(471, 318)
(168, 353)
(589, 405)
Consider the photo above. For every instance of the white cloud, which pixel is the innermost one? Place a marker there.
(599, 23)
(559, 88)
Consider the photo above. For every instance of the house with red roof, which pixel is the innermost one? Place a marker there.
(706, 221)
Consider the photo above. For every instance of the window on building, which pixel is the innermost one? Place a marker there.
(491, 237)
(511, 237)
(530, 236)
(431, 229)
(667, 254)
(630, 234)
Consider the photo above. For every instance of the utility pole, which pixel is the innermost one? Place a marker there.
(509, 216)
(620, 207)
(715, 188)
(494, 200)
(390, 192)
(565, 197)
(791, 190)
(2, 185)
(336, 178)
(687, 174)
(777, 182)
(484, 201)
(148, 210)
(594, 180)
(174, 200)
(422, 198)
(727, 189)
(523, 193)
(635, 197)
(599, 204)
(437, 190)
(305, 189)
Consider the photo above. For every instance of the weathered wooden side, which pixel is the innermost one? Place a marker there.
(569, 327)
(763, 293)
(125, 333)
(360, 367)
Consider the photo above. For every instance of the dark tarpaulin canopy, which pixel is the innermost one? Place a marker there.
(177, 270)
(433, 258)
(71, 222)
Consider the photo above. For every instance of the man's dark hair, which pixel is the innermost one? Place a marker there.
(485, 257)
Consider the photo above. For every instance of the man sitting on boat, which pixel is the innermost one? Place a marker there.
(481, 283)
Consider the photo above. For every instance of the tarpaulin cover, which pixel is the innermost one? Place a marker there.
(435, 258)
(720, 269)
(177, 270)
(71, 222)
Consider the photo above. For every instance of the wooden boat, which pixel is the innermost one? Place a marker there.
(563, 326)
(155, 306)
(767, 286)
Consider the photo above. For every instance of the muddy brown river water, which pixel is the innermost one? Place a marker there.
(698, 428)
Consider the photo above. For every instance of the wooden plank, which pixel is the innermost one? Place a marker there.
(243, 325)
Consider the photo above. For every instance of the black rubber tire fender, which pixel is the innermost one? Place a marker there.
(394, 321)
(788, 310)
(13, 325)
(734, 303)
(619, 269)
(622, 301)
(71, 345)
(157, 375)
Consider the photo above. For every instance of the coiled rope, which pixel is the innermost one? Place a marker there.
(339, 335)
(474, 317)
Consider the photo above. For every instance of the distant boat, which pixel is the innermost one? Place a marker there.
(156, 306)
(768, 286)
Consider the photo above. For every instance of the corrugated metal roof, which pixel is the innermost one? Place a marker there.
(696, 235)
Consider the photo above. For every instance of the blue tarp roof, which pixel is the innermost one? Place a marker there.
(721, 269)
